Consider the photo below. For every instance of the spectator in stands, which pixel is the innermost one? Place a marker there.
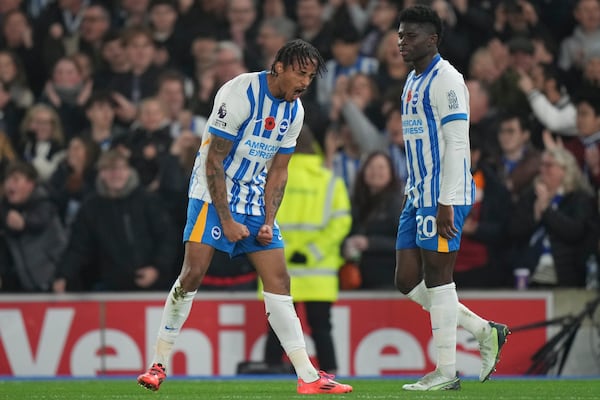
(100, 114)
(342, 152)
(229, 63)
(18, 37)
(171, 92)
(31, 230)
(586, 146)
(312, 26)
(584, 40)
(483, 116)
(273, 33)
(505, 92)
(57, 29)
(14, 81)
(591, 71)
(518, 162)
(549, 99)
(481, 261)
(95, 24)
(122, 238)
(382, 19)
(519, 18)
(242, 18)
(114, 60)
(42, 140)
(141, 80)
(7, 155)
(346, 61)
(15, 95)
(132, 13)
(74, 178)
(354, 97)
(172, 44)
(203, 49)
(553, 223)
(482, 66)
(148, 142)
(376, 207)
(67, 93)
(314, 224)
(392, 71)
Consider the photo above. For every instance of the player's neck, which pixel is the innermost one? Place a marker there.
(273, 86)
(422, 64)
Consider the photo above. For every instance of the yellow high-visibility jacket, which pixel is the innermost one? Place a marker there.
(314, 218)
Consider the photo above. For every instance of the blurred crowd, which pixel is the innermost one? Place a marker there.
(103, 103)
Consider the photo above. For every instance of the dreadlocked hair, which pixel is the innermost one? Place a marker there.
(301, 52)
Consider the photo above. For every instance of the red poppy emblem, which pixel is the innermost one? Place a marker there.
(269, 123)
(409, 96)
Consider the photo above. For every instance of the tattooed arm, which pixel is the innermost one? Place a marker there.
(215, 177)
(274, 189)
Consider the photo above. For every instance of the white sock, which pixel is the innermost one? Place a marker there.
(443, 314)
(176, 310)
(286, 325)
(470, 321)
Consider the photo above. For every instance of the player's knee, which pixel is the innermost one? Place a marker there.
(191, 277)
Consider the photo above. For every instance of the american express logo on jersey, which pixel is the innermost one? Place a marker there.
(259, 149)
(412, 126)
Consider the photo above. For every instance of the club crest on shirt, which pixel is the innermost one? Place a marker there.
(415, 98)
(222, 112)
(284, 126)
(215, 232)
(452, 100)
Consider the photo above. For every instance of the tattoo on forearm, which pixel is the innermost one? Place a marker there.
(276, 199)
(215, 176)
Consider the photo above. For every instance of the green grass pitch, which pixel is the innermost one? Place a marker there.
(276, 388)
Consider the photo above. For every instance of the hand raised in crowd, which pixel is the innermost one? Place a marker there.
(125, 109)
(543, 197)
(529, 13)
(525, 82)
(549, 141)
(56, 31)
(592, 159)
(146, 276)
(86, 92)
(52, 95)
(15, 220)
(339, 97)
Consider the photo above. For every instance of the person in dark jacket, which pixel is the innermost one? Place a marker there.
(376, 206)
(30, 228)
(122, 238)
(555, 223)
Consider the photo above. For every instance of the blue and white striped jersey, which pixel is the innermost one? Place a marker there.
(429, 101)
(260, 126)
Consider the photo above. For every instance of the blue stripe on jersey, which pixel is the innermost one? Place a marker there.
(237, 177)
(251, 194)
(422, 169)
(286, 150)
(262, 92)
(465, 170)
(433, 140)
(411, 172)
(220, 133)
(454, 117)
